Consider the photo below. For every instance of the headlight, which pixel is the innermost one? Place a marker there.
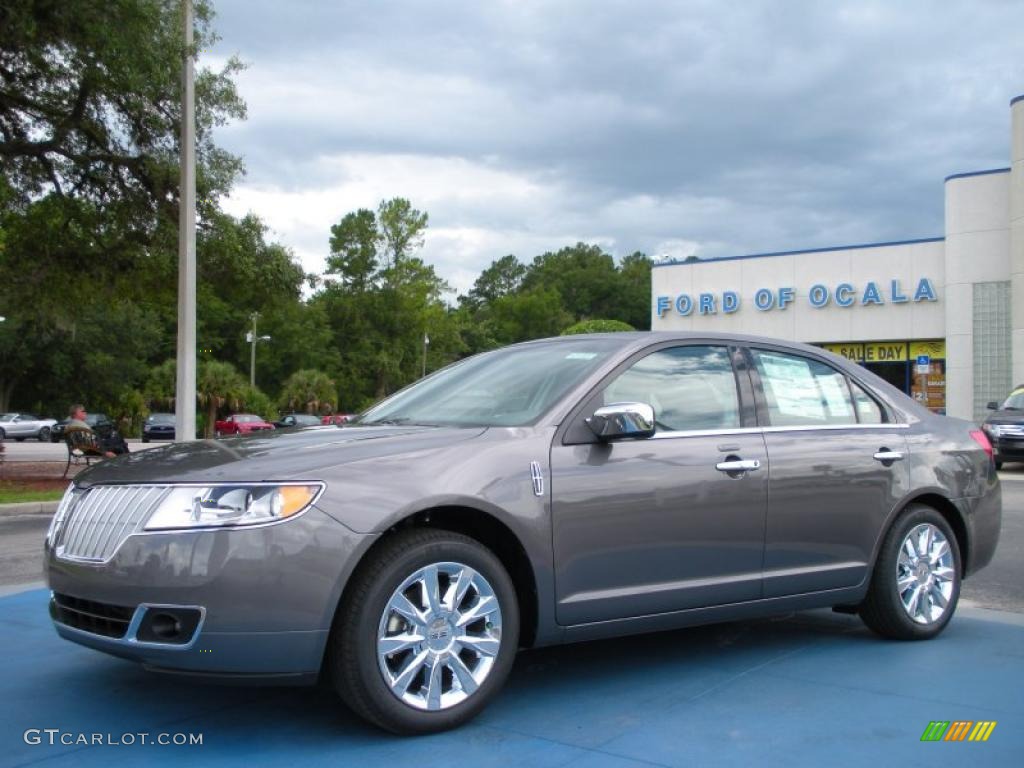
(194, 506)
(992, 429)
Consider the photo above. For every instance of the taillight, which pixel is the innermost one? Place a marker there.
(982, 439)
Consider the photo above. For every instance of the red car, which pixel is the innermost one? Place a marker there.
(336, 418)
(241, 424)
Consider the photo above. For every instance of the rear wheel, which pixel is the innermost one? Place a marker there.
(44, 435)
(427, 633)
(916, 582)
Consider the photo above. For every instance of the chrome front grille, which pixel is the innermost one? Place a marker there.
(95, 522)
(1011, 430)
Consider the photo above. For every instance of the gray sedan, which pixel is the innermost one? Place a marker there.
(550, 492)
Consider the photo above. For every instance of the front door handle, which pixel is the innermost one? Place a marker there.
(738, 465)
(885, 455)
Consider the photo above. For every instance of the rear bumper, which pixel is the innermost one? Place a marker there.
(983, 516)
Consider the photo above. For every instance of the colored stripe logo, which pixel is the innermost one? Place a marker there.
(958, 730)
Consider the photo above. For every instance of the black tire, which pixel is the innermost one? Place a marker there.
(352, 648)
(883, 610)
(44, 435)
(999, 465)
(2, 434)
(145, 439)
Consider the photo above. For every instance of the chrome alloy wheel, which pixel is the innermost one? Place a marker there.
(925, 574)
(438, 636)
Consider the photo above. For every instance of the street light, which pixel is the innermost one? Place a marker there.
(252, 338)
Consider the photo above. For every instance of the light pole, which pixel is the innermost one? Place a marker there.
(185, 386)
(252, 338)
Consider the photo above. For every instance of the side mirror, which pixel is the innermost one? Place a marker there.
(993, 405)
(622, 421)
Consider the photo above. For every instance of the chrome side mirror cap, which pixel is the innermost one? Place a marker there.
(623, 421)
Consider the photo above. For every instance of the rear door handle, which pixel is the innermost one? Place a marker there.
(885, 455)
(738, 465)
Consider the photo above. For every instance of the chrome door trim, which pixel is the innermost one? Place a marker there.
(669, 435)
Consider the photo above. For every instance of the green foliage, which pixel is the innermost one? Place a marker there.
(252, 400)
(309, 391)
(219, 385)
(597, 326)
(129, 412)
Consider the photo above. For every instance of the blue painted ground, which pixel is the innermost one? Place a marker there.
(808, 689)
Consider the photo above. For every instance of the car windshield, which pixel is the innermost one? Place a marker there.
(245, 418)
(8, 417)
(1015, 402)
(507, 388)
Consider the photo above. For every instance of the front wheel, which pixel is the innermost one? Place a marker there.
(916, 582)
(426, 634)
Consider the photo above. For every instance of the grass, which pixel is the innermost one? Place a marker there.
(13, 495)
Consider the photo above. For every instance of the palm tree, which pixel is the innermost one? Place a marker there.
(309, 390)
(218, 384)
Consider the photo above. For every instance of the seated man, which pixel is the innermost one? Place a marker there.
(97, 446)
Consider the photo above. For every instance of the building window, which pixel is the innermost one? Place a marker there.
(991, 345)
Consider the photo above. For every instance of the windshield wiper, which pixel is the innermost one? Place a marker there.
(399, 420)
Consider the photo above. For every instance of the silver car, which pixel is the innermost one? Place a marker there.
(22, 426)
(554, 491)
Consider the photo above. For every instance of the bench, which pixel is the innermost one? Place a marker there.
(82, 446)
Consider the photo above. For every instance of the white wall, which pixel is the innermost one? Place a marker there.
(1017, 238)
(977, 251)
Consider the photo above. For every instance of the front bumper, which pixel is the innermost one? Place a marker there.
(267, 596)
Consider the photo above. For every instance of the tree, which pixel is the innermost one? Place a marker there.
(354, 244)
(218, 385)
(386, 301)
(597, 326)
(90, 103)
(310, 391)
(635, 290)
(584, 276)
(503, 277)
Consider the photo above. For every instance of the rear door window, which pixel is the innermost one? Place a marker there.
(801, 392)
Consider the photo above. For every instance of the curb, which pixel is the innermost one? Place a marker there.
(28, 508)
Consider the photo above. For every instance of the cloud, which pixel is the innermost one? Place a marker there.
(667, 127)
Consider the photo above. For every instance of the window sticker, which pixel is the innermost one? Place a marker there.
(793, 387)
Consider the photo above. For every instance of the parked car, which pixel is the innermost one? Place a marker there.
(241, 424)
(554, 491)
(297, 420)
(337, 418)
(158, 426)
(1005, 427)
(99, 422)
(22, 426)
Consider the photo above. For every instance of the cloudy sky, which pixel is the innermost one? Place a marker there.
(715, 128)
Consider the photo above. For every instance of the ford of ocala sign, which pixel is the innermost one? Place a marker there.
(818, 296)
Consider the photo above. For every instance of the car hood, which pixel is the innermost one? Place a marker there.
(289, 455)
(1005, 417)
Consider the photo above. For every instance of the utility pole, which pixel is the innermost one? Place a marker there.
(185, 387)
(252, 338)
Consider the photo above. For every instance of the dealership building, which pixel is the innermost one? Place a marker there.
(941, 318)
